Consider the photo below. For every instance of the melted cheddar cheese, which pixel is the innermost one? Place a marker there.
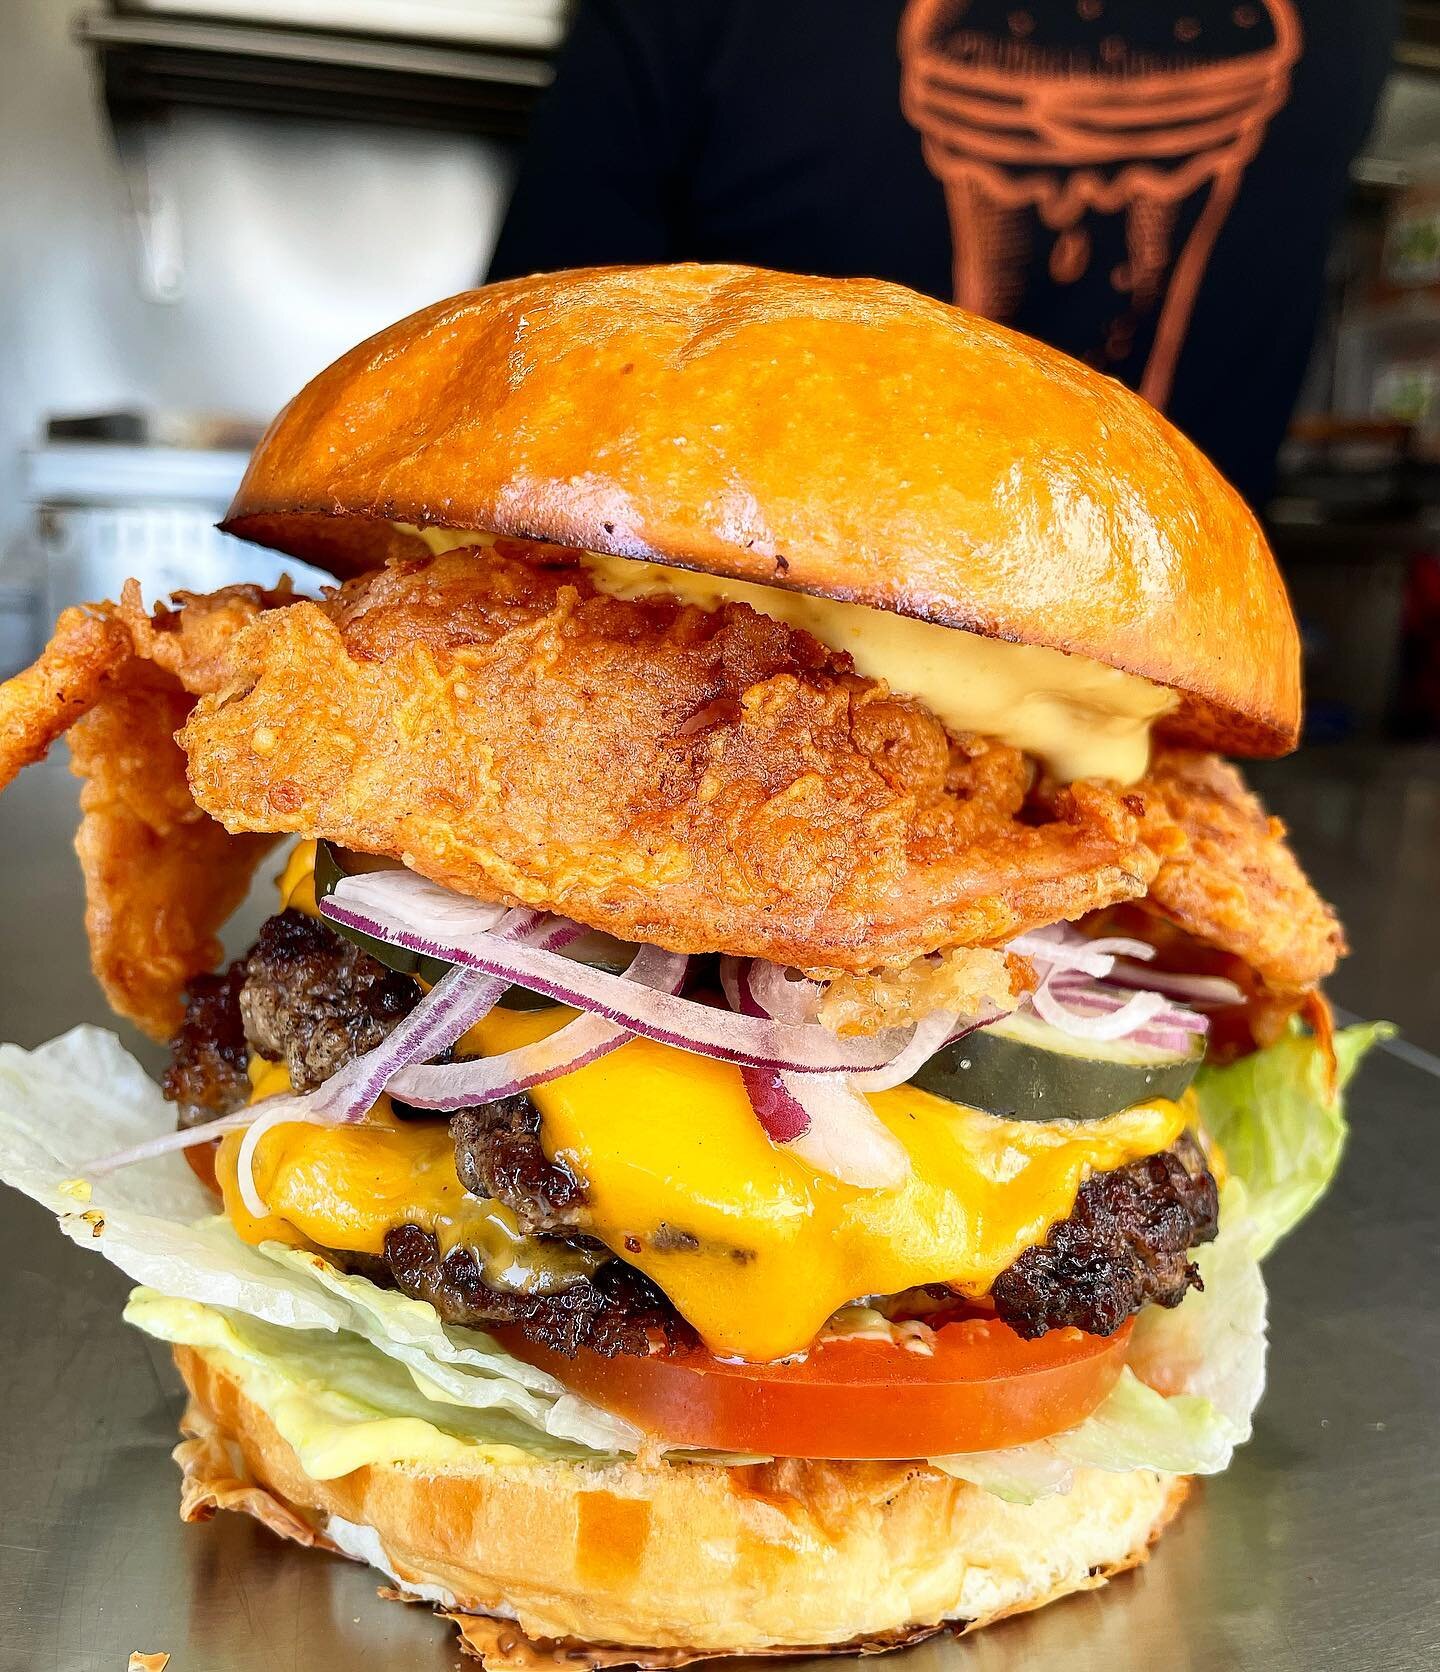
(752, 1245)
(296, 882)
(757, 1249)
(344, 1187)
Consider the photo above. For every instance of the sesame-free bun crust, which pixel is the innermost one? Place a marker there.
(843, 437)
(677, 1561)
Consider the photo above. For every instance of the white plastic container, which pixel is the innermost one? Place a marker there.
(105, 512)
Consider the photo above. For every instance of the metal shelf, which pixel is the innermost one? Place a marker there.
(150, 63)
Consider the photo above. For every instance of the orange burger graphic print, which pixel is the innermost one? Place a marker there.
(1106, 144)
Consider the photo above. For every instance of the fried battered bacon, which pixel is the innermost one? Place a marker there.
(1234, 883)
(192, 640)
(43, 701)
(93, 644)
(706, 780)
(161, 877)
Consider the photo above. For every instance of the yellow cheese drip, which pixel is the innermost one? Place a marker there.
(754, 1247)
(344, 1187)
(1082, 718)
(297, 881)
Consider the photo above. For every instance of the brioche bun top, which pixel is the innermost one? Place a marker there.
(848, 438)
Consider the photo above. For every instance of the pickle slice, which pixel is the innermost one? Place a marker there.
(1023, 1068)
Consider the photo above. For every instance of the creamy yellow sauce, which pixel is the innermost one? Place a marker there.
(1081, 718)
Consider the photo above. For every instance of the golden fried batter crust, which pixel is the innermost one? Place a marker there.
(44, 700)
(192, 640)
(703, 780)
(160, 876)
(1235, 884)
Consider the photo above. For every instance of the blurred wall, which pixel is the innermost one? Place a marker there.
(298, 239)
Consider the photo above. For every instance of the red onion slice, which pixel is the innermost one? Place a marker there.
(459, 1085)
(1175, 1040)
(1063, 948)
(819, 1116)
(1119, 946)
(1074, 989)
(1134, 1013)
(780, 998)
(829, 1125)
(397, 906)
(1071, 998)
(936, 1030)
(168, 1143)
(844, 1137)
(783, 1118)
(1195, 989)
(1043, 946)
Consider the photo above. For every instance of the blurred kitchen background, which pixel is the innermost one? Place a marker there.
(202, 202)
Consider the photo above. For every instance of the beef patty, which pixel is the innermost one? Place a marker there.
(314, 1000)
(1124, 1245)
(306, 996)
(498, 1153)
(302, 995)
(617, 1310)
(208, 1057)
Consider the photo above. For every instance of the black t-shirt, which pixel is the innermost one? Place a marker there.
(1150, 185)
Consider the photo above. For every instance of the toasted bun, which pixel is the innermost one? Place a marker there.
(842, 437)
(680, 1560)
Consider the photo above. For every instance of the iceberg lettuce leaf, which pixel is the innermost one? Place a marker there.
(82, 1096)
(1280, 1127)
(335, 1399)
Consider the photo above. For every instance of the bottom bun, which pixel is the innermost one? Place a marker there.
(620, 1563)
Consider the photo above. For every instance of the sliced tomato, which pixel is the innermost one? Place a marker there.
(202, 1163)
(981, 1388)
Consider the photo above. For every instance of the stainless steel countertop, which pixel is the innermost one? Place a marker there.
(1320, 1549)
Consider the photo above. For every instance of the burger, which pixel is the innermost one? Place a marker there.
(754, 1118)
